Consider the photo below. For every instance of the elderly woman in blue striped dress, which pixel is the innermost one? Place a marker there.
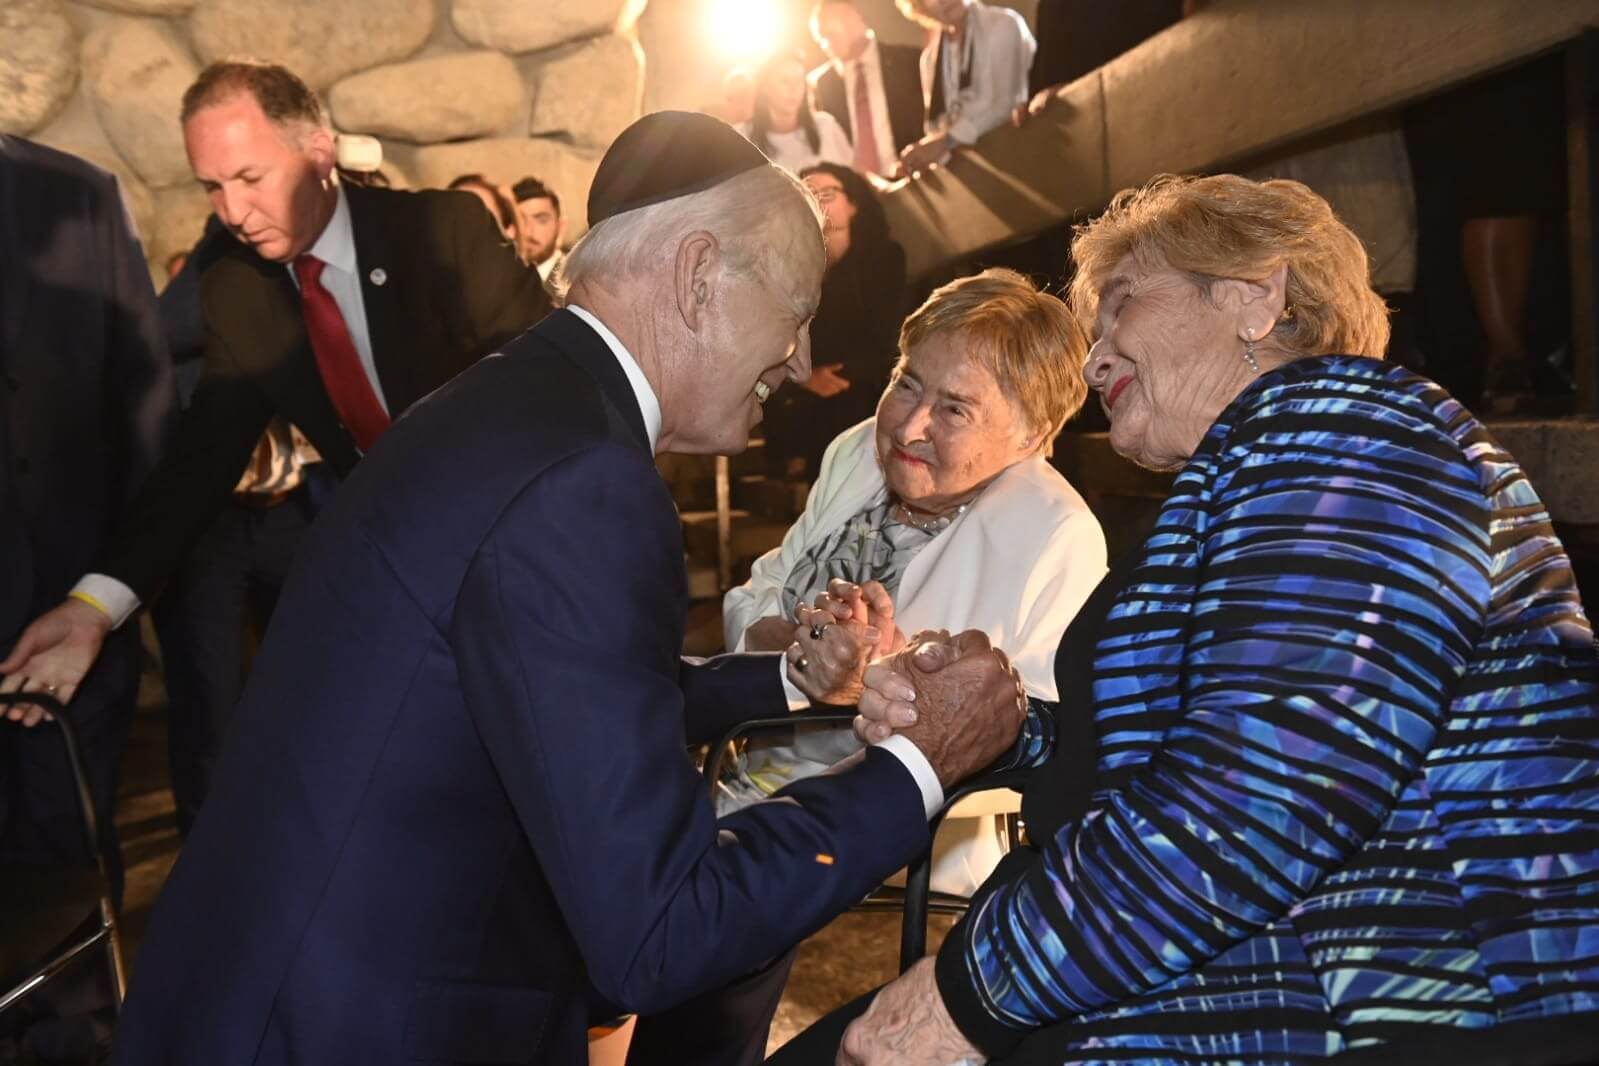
(1346, 795)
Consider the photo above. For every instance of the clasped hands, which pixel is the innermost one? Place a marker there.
(957, 698)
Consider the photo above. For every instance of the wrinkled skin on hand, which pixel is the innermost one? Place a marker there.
(969, 702)
(907, 1025)
(53, 656)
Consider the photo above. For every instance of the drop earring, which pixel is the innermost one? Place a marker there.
(1249, 350)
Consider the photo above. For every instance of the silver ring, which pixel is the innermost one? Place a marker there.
(51, 689)
(801, 663)
(817, 629)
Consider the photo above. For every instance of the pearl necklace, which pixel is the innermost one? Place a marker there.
(936, 524)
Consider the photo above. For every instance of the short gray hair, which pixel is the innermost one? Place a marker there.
(746, 215)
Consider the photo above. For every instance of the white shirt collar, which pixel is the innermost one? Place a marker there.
(336, 245)
(648, 405)
(868, 54)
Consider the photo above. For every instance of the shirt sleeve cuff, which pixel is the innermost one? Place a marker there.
(117, 600)
(797, 700)
(911, 756)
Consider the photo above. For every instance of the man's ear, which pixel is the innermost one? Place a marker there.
(695, 272)
(320, 147)
(1258, 304)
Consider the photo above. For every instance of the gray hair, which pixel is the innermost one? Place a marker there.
(755, 217)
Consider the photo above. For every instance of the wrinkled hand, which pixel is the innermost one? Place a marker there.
(826, 381)
(907, 1025)
(772, 633)
(869, 605)
(829, 655)
(53, 656)
(958, 699)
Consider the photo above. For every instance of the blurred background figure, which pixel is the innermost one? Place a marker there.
(737, 105)
(874, 90)
(539, 225)
(855, 335)
(495, 199)
(785, 127)
(975, 72)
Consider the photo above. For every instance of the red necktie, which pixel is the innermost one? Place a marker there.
(866, 158)
(336, 359)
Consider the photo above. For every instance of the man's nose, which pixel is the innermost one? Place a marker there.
(229, 205)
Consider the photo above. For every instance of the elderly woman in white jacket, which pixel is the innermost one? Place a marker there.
(940, 513)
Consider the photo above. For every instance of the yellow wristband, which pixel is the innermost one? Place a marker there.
(90, 600)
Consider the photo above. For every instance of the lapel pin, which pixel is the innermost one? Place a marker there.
(378, 276)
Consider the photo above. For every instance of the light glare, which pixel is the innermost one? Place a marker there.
(743, 31)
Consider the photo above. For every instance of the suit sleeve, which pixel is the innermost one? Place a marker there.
(187, 489)
(1338, 603)
(501, 297)
(567, 651)
(141, 390)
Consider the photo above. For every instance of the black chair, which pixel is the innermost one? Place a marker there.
(49, 917)
(917, 899)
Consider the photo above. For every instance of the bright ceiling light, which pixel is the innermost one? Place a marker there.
(743, 31)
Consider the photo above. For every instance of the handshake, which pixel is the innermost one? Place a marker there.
(957, 698)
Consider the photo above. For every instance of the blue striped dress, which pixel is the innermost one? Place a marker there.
(1348, 719)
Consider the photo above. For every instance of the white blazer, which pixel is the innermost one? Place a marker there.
(1017, 564)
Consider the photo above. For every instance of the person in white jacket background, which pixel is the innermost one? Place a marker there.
(942, 512)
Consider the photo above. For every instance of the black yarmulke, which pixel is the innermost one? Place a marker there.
(667, 155)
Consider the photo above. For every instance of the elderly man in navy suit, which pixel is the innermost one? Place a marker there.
(456, 806)
(86, 399)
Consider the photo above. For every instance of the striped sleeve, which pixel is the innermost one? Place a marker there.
(1343, 573)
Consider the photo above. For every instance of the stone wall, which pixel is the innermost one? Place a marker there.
(503, 87)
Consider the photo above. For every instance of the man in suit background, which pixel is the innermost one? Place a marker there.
(86, 398)
(873, 89)
(456, 807)
(334, 306)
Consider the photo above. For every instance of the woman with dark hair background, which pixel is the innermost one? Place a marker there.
(855, 335)
(785, 127)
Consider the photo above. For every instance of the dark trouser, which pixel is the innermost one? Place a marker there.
(40, 821)
(233, 573)
(724, 1027)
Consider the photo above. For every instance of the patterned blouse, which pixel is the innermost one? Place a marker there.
(872, 546)
(1348, 757)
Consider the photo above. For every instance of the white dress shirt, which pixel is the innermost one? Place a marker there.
(904, 750)
(994, 56)
(342, 278)
(870, 67)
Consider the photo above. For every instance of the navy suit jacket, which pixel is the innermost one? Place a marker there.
(86, 394)
(455, 799)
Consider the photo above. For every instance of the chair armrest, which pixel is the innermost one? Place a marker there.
(918, 877)
(717, 755)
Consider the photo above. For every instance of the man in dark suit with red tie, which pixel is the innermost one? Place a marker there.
(873, 89)
(338, 307)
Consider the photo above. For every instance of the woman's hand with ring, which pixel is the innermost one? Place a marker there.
(834, 654)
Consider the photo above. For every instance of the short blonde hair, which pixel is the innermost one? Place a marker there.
(1225, 226)
(1026, 338)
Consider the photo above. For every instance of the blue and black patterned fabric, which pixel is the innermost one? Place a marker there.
(1348, 751)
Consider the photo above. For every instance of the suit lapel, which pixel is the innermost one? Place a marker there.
(384, 278)
(589, 351)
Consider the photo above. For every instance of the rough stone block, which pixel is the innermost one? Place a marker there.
(320, 40)
(137, 73)
(441, 98)
(78, 132)
(529, 25)
(38, 63)
(144, 7)
(180, 214)
(591, 93)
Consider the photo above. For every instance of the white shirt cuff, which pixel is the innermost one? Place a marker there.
(117, 599)
(797, 700)
(908, 753)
